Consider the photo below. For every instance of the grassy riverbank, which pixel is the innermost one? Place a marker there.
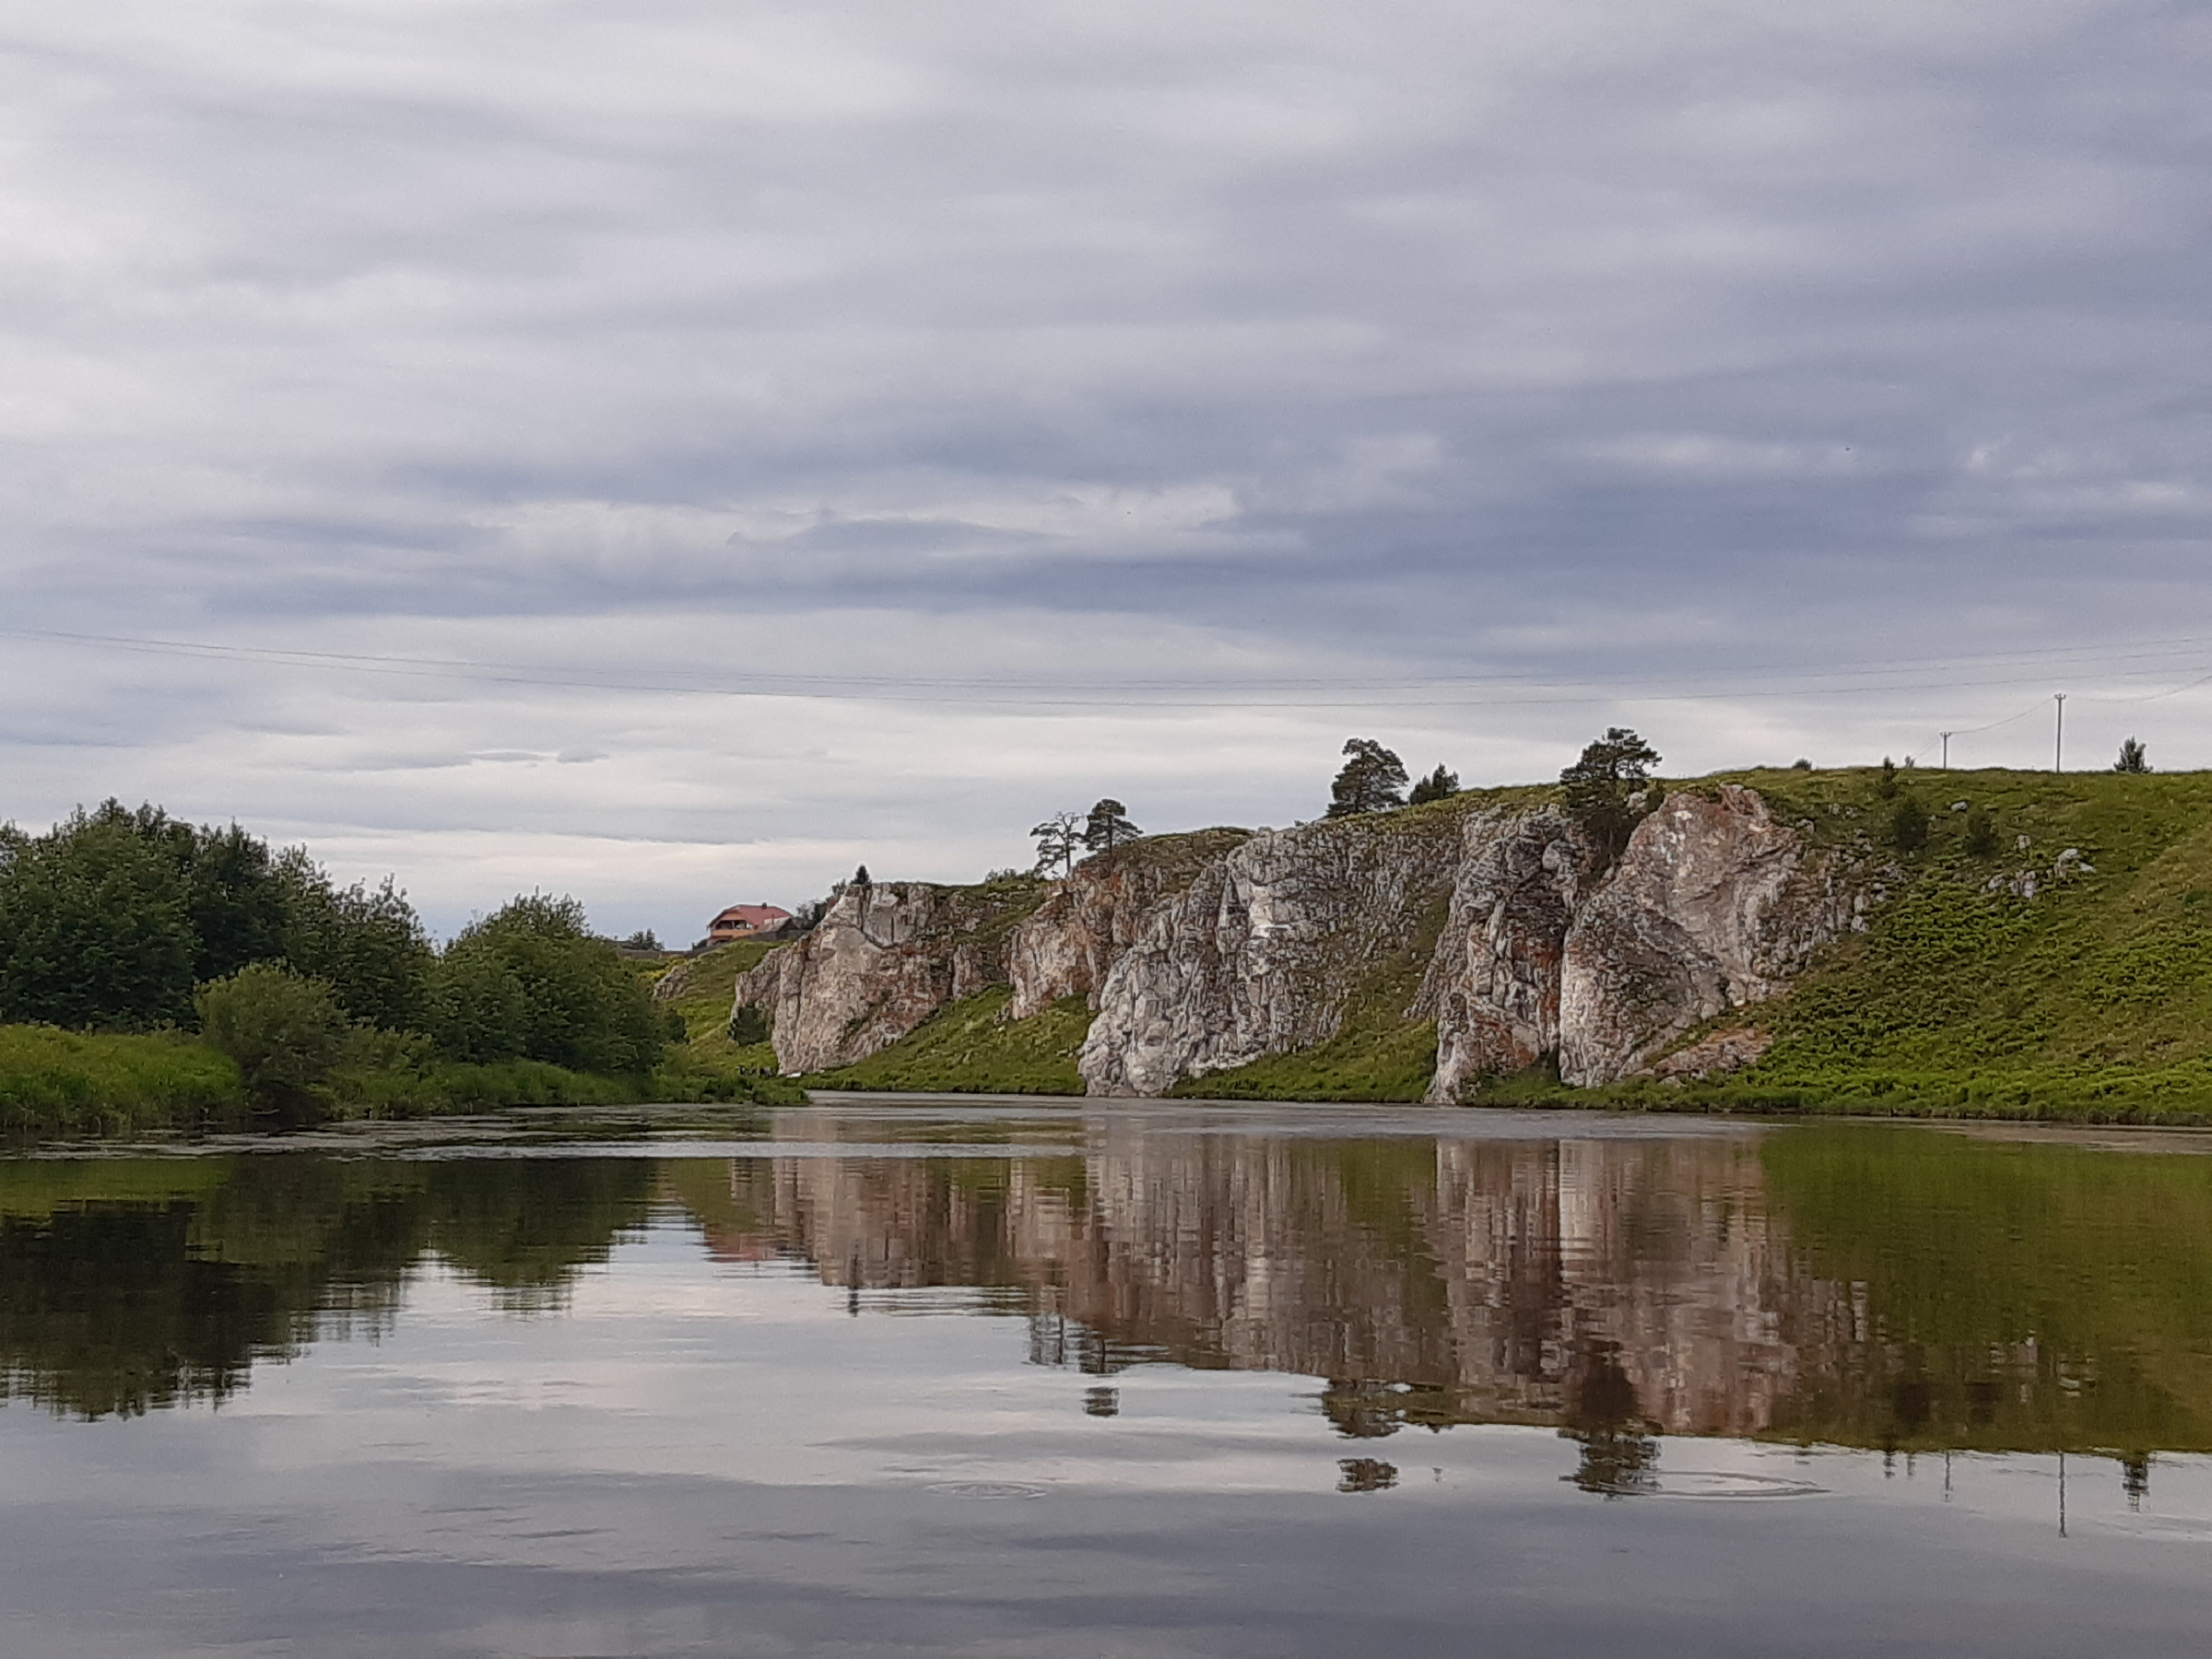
(71, 1083)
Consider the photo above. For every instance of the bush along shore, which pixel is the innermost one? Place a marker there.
(157, 975)
(1984, 944)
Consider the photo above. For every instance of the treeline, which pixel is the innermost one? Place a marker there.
(128, 921)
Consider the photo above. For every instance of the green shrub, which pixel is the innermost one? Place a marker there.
(1908, 824)
(285, 1032)
(749, 1025)
(1981, 832)
(530, 982)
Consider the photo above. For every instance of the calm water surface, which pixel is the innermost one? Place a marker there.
(1043, 1378)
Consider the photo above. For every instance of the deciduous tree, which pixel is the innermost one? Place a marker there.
(1058, 838)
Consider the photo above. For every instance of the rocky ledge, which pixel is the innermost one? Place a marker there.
(1201, 953)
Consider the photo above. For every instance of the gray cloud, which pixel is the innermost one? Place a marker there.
(1620, 353)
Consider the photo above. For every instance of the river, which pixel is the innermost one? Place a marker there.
(888, 1375)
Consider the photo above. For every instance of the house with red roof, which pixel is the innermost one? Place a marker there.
(745, 920)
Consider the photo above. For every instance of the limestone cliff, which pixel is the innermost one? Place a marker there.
(1493, 985)
(1206, 952)
(1713, 906)
(1260, 953)
(1066, 946)
(882, 960)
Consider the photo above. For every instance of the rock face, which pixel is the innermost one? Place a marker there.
(1205, 952)
(882, 960)
(1259, 955)
(1713, 906)
(1069, 943)
(1493, 985)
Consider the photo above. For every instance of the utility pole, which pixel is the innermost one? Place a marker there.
(1946, 749)
(2058, 740)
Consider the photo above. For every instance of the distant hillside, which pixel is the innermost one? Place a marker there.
(1764, 942)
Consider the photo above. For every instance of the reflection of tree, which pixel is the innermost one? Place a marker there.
(117, 1297)
(2134, 1478)
(104, 1310)
(524, 1227)
(1619, 1459)
(1365, 1475)
(1364, 1410)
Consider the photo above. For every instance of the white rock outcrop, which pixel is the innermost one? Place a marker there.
(1260, 953)
(1713, 906)
(1090, 918)
(881, 961)
(1493, 985)
(1205, 952)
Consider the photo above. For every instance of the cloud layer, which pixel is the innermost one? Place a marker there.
(1073, 400)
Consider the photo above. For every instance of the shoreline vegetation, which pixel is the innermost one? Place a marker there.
(2044, 953)
(160, 976)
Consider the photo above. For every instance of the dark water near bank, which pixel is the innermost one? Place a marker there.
(1023, 1378)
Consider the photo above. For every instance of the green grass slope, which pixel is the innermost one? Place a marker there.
(970, 1048)
(701, 989)
(2091, 999)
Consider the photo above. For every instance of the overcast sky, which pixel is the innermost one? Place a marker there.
(672, 452)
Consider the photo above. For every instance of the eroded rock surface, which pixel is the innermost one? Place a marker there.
(1069, 943)
(1205, 952)
(1715, 905)
(882, 960)
(1493, 985)
(1259, 955)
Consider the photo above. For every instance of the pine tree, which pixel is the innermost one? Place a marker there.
(1108, 827)
(1438, 785)
(1373, 780)
(1599, 784)
(2134, 757)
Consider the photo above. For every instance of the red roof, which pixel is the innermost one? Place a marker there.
(753, 915)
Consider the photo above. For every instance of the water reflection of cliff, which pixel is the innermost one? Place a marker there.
(1458, 1279)
(1612, 1287)
(1823, 1284)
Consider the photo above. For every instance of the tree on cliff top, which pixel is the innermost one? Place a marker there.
(1373, 780)
(1057, 838)
(1599, 784)
(1440, 785)
(1108, 827)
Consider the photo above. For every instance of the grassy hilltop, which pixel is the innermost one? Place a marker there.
(2092, 997)
(1998, 978)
